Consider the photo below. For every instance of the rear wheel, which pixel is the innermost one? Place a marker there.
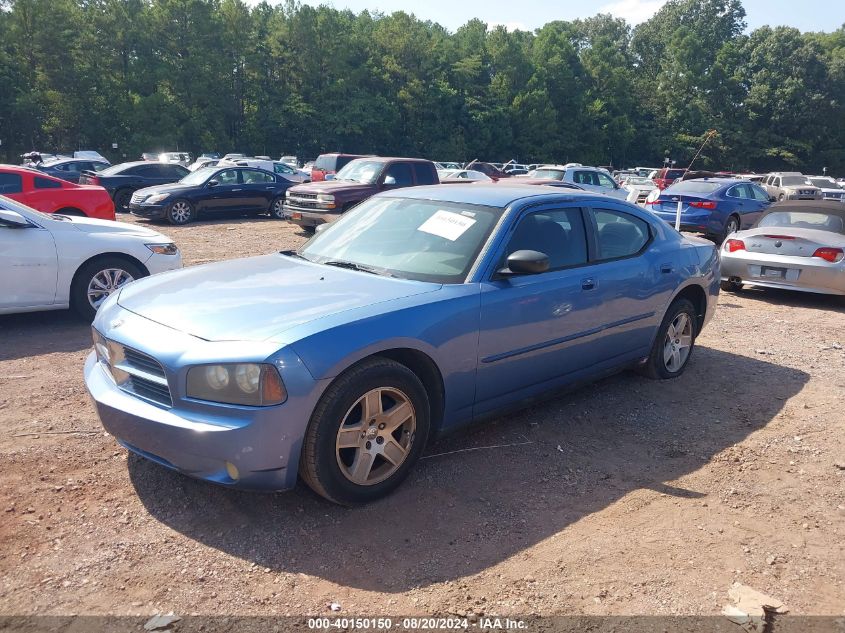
(121, 200)
(731, 226)
(674, 342)
(366, 433)
(277, 208)
(97, 280)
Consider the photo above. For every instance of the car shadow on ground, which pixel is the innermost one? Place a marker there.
(36, 333)
(228, 218)
(789, 298)
(462, 512)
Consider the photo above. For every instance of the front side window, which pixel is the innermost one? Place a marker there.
(619, 234)
(399, 174)
(560, 234)
(586, 178)
(10, 183)
(606, 181)
(425, 240)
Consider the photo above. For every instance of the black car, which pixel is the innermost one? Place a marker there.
(70, 169)
(121, 181)
(213, 190)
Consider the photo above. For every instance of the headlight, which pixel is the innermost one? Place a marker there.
(287, 193)
(163, 249)
(325, 197)
(101, 347)
(252, 384)
(156, 198)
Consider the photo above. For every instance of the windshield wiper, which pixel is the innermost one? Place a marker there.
(294, 254)
(339, 263)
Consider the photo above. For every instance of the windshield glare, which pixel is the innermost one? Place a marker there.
(793, 180)
(555, 174)
(199, 176)
(425, 240)
(364, 171)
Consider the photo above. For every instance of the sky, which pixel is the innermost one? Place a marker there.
(807, 15)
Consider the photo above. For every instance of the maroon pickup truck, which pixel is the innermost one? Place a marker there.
(315, 203)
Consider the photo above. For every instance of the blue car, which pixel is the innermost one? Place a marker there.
(420, 311)
(716, 207)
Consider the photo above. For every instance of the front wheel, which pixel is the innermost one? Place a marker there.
(180, 212)
(366, 433)
(674, 342)
(96, 280)
(121, 200)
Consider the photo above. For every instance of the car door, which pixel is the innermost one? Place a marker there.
(30, 266)
(259, 188)
(745, 204)
(634, 276)
(224, 192)
(536, 329)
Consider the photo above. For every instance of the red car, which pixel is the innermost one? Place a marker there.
(667, 176)
(51, 195)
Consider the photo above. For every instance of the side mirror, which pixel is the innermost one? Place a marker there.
(321, 227)
(526, 263)
(213, 183)
(389, 181)
(13, 219)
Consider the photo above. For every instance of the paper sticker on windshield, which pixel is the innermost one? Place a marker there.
(447, 225)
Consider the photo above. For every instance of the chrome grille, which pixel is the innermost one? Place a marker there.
(137, 198)
(139, 374)
(304, 196)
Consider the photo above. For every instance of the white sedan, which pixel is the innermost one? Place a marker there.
(52, 262)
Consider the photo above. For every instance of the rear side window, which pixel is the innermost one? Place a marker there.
(619, 234)
(425, 174)
(399, 174)
(254, 177)
(46, 183)
(758, 193)
(10, 183)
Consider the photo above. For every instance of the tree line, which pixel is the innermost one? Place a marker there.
(221, 75)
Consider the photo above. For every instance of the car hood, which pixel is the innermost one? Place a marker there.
(169, 188)
(93, 225)
(332, 186)
(256, 298)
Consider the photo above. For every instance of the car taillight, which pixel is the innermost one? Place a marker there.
(828, 254)
(703, 204)
(734, 245)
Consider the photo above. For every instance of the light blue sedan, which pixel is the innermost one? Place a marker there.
(420, 311)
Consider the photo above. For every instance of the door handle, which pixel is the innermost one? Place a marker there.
(588, 284)
(235, 189)
(666, 268)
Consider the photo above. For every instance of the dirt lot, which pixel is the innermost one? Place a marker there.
(625, 497)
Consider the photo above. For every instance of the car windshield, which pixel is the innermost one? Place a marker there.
(692, 186)
(199, 176)
(804, 220)
(793, 180)
(425, 240)
(363, 171)
(554, 174)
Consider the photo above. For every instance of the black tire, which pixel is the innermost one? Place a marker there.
(655, 366)
(277, 208)
(83, 277)
(76, 213)
(121, 200)
(731, 226)
(319, 464)
(180, 212)
(731, 286)
(309, 230)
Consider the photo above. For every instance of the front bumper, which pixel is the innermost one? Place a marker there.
(805, 274)
(309, 217)
(151, 211)
(196, 438)
(162, 263)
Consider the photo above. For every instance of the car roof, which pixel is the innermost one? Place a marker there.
(385, 159)
(494, 194)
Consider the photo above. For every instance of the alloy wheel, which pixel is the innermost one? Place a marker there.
(678, 343)
(278, 208)
(180, 212)
(104, 283)
(376, 436)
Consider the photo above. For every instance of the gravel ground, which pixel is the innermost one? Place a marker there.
(624, 497)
